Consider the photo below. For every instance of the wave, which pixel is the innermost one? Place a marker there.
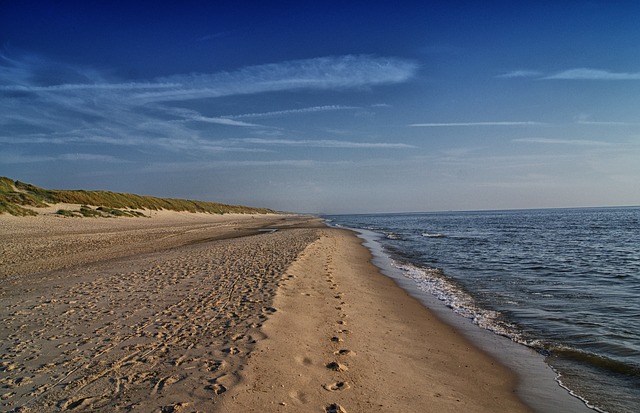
(434, 282)
(596, 360)
(392, 235)
(436, 235)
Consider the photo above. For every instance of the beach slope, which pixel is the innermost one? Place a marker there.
(346, 338)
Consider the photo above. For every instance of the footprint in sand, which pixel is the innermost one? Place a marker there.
(82, 403)
(173, 408)
(216, 388)
(335, 366)
(341, 385)
(219, 384)
(164, 382)
(334, 408)
(213, 365)
(345, 352)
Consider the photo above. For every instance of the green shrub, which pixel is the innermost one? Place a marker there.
(86, 211)
(66, 213)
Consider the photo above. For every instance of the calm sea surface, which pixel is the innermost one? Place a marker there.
(563, 281)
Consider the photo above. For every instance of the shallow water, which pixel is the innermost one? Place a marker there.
(565, 282)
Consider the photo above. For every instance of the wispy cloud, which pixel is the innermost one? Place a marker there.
(520, 73)
(89, 157)
(90, 86)
(592, 74)
(19, 158)
(339, 72)
(45, 102)
(606, 123)
(573, 74)
(449, 124)
(183, 115)
(171, 167)
(222, 121)
(577, 142)
(343, 72)
(585, 119)
(277, 113)
(324, 143)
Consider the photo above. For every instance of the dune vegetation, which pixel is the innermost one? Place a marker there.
(22, 199)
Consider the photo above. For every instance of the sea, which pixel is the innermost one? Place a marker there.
(564, 282)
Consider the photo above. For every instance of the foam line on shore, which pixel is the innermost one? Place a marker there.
(537, 383)
(346, 338)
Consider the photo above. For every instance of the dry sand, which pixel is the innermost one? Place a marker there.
(190, 312)
(346, 338)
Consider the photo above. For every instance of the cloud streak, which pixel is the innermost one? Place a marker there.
(43, 102)
(592, 74)
(453, 124)
(575, 142)
(278, 113)
(351, 71)
(89, 86)
(324, 143)
(582, 73)
(520, 73)
(324, 73)
(606, 123)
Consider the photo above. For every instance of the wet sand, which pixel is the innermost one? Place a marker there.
(187, 312)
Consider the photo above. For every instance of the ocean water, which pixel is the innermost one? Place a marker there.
(565, 282)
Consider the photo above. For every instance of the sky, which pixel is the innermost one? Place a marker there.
(326, 106)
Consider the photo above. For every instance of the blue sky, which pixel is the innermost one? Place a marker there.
(325, 106)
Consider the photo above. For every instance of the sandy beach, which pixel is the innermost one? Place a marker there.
(193, 312)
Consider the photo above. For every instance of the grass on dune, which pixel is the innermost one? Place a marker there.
(14, 195)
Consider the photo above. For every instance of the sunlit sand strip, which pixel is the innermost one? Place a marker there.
(347, 339)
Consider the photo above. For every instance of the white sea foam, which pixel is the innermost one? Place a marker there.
(392, 235)
(436, 235)
(432, 281)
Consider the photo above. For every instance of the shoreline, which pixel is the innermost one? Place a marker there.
(196, 312)
(346, 338)
(538, 384)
